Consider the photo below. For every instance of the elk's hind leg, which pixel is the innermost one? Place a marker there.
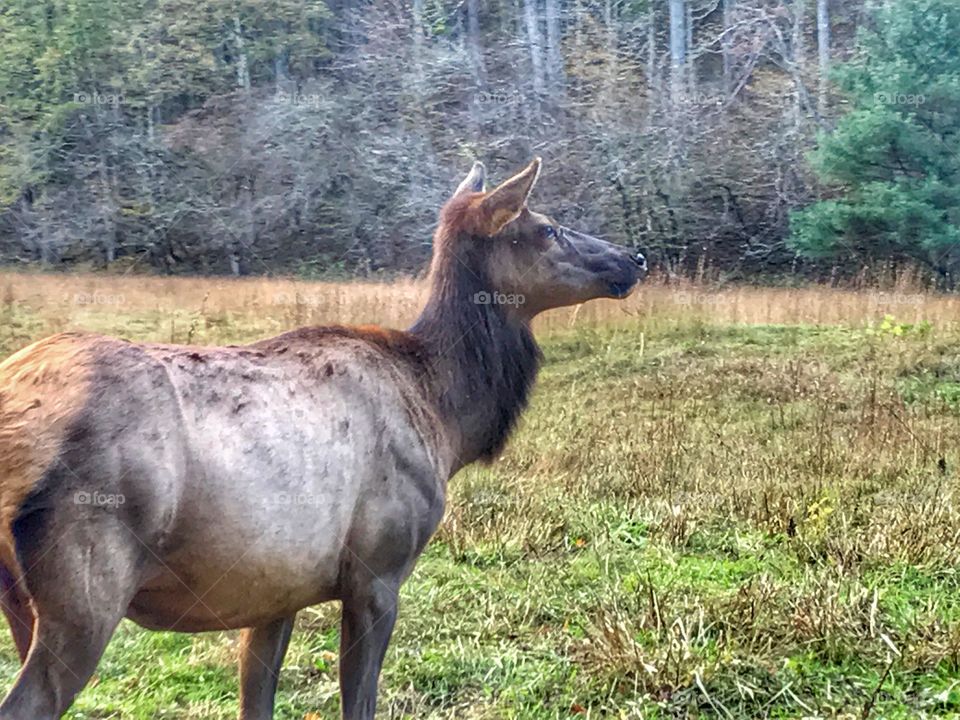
(16, 607)
(82, 568)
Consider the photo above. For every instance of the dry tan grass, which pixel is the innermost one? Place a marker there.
(67, 301)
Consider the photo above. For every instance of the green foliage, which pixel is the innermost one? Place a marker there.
(74, 71)
(891, 327)
(892, 165)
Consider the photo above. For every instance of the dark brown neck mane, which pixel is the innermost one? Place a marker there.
(483, 362)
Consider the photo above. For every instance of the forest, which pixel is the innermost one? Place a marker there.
(740, 139)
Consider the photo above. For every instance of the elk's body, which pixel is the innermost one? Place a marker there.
(241, 469)
(200, 489)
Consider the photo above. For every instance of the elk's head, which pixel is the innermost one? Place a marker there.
(526, 259)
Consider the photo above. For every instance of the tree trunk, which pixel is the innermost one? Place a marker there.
(613, 55)
(678, 47)
(691, 87)
(555, 75)
(535, 42)
(799, 58)
(419, 77)
(729, 15)
(281, 67)
(653, 76)
(243, 71)
(823, 49)
(475, 41)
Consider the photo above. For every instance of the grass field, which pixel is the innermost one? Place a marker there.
(736, 503)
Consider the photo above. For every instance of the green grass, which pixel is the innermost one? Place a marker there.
(735, 522)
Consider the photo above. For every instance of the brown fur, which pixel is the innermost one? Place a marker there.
(482, 361)
(484, 215)
(42, 387)
(388, 341)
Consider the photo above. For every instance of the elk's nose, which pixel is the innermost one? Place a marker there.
(641, 261)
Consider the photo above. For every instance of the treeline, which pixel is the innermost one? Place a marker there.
(298, 136)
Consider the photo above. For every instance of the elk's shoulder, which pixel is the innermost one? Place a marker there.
(391, 344)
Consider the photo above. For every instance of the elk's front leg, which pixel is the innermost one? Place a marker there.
(261, 655)
(368, 618)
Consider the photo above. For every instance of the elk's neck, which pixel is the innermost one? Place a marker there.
(482, 362)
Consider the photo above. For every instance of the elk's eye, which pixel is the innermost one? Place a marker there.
(549, 231)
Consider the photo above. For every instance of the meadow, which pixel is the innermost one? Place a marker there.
(722, 503)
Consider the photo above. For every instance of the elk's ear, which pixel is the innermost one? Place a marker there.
(475, 179)
(506, 201)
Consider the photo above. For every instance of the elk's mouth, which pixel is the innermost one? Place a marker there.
(623, 288)
(616, 270)
(626, 277)
(632, 270)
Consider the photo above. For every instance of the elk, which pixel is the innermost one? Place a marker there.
(210, 488)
